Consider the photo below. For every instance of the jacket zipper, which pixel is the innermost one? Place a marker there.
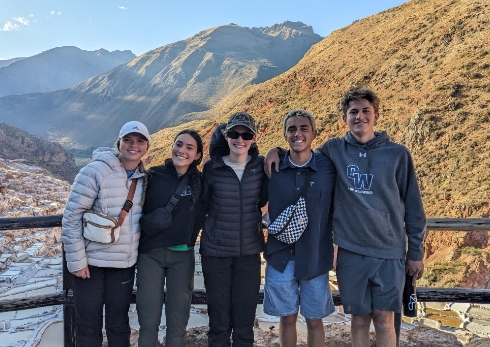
(240, 239)
(241, 213)
(241, 204)
(103, 216)
(130, 217)
(85, 222)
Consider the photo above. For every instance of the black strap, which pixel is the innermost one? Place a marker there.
(176, 195)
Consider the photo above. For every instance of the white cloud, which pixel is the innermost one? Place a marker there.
(9, 26)
(31, 15)
(21, 20)
(122, 7)
(55, 13)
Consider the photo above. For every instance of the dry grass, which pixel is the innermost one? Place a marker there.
(429, 61)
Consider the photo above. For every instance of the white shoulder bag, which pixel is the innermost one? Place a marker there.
(104, 229)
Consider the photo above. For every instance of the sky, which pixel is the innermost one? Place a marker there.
(28, 27)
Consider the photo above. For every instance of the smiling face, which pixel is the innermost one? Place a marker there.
(299, 134)
(239, 147)
(132, 148)
(184, 152)
(360, 118)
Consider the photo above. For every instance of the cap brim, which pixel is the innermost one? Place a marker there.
(134, 132)
(244, 125)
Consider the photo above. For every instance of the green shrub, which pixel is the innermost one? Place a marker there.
(437, 271)
(474, 252)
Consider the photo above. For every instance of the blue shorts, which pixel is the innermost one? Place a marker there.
(284, 294)
(367, 282)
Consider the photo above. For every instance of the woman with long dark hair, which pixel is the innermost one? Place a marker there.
(166, 253)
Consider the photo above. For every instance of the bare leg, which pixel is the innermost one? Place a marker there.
(287, 330)
(360, 330)
(316, 333)
(385, 328)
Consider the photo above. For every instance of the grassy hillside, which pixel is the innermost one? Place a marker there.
(429, 61)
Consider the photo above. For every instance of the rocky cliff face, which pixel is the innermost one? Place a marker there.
(18, 144)
(57, 68)
(160, 87)
(457, 259)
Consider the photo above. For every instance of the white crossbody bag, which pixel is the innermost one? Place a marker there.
(104, 229)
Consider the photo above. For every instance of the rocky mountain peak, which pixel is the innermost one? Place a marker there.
(286, 29)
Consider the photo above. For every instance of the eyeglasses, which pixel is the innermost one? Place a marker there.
(235, 134)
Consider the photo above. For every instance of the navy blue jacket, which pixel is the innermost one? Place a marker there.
(313, 252)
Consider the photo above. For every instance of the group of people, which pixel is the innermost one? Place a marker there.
(361, 193)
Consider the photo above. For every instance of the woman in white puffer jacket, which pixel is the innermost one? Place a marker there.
(104, 272)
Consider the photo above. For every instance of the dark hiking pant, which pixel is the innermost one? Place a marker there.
(232, 291)
(155, 269)
(113, 288)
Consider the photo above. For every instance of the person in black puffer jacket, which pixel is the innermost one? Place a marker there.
(232, 239)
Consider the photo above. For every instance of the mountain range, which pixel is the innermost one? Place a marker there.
(57, 68)
(429, 61)
(162, 87)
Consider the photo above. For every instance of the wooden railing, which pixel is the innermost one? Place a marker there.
(199, 296)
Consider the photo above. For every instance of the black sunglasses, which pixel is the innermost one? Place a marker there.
(235, 134)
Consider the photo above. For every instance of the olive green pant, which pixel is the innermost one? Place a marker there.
(156, 268)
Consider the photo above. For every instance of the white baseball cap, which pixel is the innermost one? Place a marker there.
(134, 127)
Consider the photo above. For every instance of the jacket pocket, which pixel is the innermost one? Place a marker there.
(209, 231)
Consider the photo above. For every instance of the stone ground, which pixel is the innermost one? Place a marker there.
(336, 335)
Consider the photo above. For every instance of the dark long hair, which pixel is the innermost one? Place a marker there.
(195, 174)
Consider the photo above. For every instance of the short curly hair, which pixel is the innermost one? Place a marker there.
(358, 93)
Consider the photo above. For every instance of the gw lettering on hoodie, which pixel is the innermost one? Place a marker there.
(362, 182)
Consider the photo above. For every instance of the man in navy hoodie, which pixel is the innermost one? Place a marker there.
(378, 221)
